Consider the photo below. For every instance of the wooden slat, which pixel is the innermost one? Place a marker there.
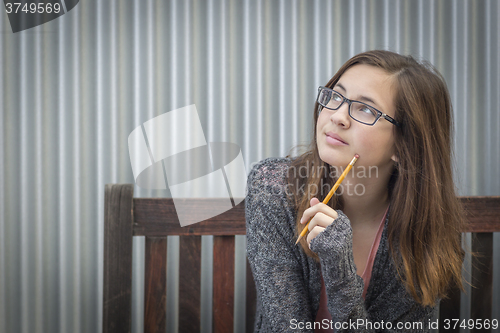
(223, 288)
(483, 213)
(450, 309)
(155, 285)
(189, 283)
(117, 298)
(251, 297)
(157, 217)
(482, 276)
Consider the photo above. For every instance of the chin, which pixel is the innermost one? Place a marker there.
(321, 153)
(332, 159)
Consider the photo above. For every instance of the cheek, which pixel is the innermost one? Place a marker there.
(320, 123)
(366, 139)
(373, 146)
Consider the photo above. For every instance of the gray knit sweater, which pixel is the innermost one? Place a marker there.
(288, 281)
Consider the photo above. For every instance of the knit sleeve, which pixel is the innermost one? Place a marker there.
(344, 288)
(275, 262)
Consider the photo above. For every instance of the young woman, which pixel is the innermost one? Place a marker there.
(382, 253)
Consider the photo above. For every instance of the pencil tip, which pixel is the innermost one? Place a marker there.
(298, 239)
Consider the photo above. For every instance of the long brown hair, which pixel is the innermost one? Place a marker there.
(426, 218)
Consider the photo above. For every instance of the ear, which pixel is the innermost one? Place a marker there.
(395, 158)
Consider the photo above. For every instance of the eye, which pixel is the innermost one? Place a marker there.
(368, 111)
(337, 97)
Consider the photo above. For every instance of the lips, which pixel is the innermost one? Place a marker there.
(336, 137)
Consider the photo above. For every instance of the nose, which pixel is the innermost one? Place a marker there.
(341, 116)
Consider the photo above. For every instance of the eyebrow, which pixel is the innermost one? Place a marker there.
(361, 98)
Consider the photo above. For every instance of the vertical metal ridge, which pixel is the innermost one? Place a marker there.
(113, 74)
(432, 28)
(294, 78)
(464, 80)
(61, 181)
(24, 243)
(246, 83)
(281, 79)
(39, 190)
(266, 69)
(363, 31)
(474, 94)
(497, 162)
(303, 47)
(77, 184)
(487, 97)
(352, 28)
(387, 25)
(258, 66)
(99, 151)
(233, 62)
(3, 184)
(420, 48)
(223, 71)
(316, 44)
(398, 21)
(454, 76)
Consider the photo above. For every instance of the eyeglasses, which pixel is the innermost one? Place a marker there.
(359, 111)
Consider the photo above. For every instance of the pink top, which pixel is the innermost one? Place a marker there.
(323, 312)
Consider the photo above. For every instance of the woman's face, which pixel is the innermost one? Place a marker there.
(374, 144)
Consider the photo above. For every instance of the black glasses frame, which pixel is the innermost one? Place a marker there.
(380, 114)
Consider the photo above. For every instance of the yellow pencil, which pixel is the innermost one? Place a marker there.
(330, 194)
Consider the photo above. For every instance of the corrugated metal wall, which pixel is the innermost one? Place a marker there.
(74, 88)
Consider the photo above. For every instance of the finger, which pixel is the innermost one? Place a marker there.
(314, 233)
(319, 207)
(307, 216)
(320, 220)
(311, 211)
(314, 201)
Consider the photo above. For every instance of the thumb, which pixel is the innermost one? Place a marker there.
(314, 201)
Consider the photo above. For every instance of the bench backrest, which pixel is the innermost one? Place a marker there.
(126, 217)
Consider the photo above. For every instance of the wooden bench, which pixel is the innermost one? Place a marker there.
(126, 217)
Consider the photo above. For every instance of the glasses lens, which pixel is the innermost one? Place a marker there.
(324, 96)
(363, 113)
(329, 98)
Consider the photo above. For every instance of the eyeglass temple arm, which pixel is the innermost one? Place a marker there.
(390, 119)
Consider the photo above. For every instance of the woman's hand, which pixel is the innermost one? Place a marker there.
(322, 216)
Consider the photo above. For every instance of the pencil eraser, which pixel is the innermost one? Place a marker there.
(357, 156)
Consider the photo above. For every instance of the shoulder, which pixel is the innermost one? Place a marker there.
(268, 173)
(267, 192)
